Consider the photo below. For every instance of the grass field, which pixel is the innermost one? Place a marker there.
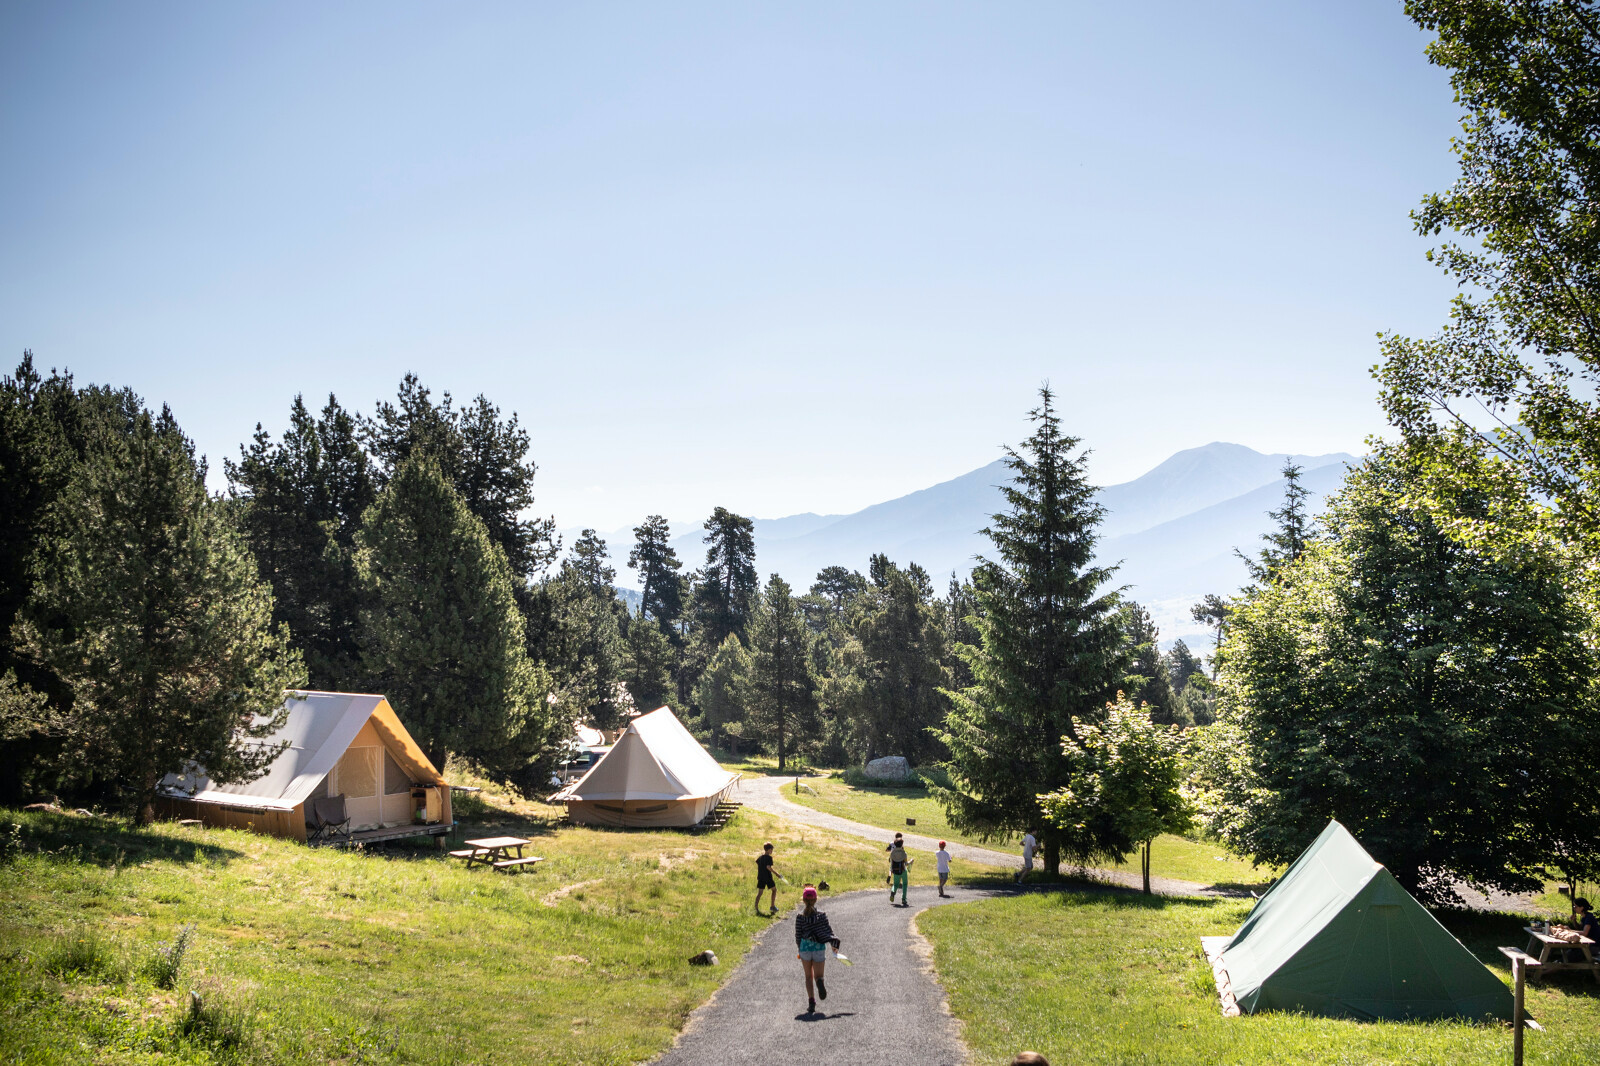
(305, 955)
(1170, 856)
(1101, 978)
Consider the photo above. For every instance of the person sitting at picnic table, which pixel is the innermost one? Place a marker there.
(1585, 922)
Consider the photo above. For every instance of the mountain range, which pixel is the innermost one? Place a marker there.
(1171, 531)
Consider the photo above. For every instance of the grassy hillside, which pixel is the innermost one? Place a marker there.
(1170, 856)
(307, 955)
(1100, 978)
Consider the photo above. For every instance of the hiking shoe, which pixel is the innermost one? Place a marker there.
(811, 1006)
(822, 989)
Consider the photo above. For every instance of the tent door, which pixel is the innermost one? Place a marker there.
(359, 776)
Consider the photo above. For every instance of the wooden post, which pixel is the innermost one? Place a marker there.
(1517, 974)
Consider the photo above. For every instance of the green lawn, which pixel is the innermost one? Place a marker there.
(1098, 978)
(1170, 856)
(308, 955)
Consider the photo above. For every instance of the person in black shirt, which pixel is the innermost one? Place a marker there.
(765, 879)
(812, 935)
(1585, 922)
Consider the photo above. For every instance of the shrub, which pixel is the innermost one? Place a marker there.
(166, 963)
(220, 1025)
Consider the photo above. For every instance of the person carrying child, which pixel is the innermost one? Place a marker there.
(812, 935)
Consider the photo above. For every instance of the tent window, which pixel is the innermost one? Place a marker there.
(395, 780)
(358, 772)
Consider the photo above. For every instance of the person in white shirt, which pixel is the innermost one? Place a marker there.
(942, 857)
(1028, 844)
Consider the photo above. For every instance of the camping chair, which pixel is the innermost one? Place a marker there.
(327, 820)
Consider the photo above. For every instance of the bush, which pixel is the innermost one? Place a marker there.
(82, 953)
(164, 966)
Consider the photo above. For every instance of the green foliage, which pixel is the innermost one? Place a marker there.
(151, 610)
(1523, 218)
(720, 694)
(1294, 534)
(165, 963)
(83, 952)
(1052, 653)
(303, 498)
(1147, 681)
(582, 644)
(442, 636)
(780, 692)
(1122, 788)
(887, 678)
(1411, 677)
(481, 455)
(648, 661)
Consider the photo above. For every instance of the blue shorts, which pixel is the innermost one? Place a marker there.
(811, 951)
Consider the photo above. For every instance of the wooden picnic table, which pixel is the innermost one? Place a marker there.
(1548, 945)
(496, 852)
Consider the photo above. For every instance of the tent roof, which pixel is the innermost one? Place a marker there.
(654, 759)
(319, 729)
(1338, 934)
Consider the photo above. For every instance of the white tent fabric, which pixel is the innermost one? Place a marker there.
(656, 774)
(319, 729)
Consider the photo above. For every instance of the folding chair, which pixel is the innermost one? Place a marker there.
(327, 820)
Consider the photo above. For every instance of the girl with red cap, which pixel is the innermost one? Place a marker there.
(812, 935)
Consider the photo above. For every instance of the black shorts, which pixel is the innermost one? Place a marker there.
(765, 881)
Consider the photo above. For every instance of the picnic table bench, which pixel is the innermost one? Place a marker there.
(1548, 945)
(496, 852)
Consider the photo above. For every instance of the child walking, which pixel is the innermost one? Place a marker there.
(942, 858)
(764, 878)
(898, 866)
(812, 935)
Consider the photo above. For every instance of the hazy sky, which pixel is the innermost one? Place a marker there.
(774, 257)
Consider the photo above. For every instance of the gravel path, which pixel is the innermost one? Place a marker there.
(765, 794)
(886, 1010)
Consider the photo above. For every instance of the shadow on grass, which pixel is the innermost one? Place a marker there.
(108, 841)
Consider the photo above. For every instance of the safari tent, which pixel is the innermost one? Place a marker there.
(1337, 935)
(655, 775)
(339, 743)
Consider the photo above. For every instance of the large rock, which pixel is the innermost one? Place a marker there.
(888, 768)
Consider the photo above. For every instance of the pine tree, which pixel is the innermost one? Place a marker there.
(721, 692)
(1147, 682)
(584, 647)
(662, 586)
(303, 500)
(648, 660)
(726, 592)
(151, 611)
(1294, 533)
(1052, 653)
(441, 634)
(781, 692)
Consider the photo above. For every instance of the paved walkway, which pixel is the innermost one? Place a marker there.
(766, 794)
(886, 1010)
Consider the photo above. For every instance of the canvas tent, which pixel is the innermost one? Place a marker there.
(655, 775)
(339, 743)
(1337, 935)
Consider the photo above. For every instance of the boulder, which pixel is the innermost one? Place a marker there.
(888, 768)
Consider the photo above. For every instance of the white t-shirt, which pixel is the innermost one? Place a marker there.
(1028, 844)
(942, 857)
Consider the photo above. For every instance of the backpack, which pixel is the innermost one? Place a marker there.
(897, 860)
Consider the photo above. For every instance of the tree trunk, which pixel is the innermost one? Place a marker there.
(1052, 856)
(1144, 865)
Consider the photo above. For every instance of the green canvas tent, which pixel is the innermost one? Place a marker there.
(1337, 935)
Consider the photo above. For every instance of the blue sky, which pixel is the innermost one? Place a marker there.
(774, 257)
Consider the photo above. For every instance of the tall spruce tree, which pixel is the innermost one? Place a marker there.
(303, 500)
(585, 648)
(1052, 652)
(1294, 533)
(1147, 682)
(149, 608)
(781, 691)
(441, 633)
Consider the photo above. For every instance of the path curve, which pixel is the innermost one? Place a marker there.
(886, 1010)
(765, 794)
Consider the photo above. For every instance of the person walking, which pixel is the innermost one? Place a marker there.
(764, 877)
(899, 871)
(1028, 844)
(812, 935)
(942, 859)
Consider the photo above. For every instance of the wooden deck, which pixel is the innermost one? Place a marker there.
(393, 833)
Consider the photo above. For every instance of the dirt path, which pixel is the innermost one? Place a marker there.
(765, 794)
